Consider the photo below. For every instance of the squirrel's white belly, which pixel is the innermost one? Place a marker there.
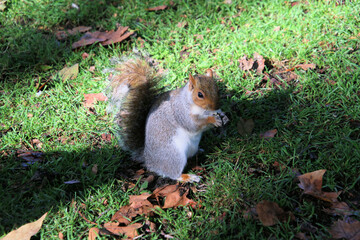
(186, 142)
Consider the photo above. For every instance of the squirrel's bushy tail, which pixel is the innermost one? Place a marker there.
(133, 92)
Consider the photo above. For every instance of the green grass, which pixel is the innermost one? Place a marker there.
(314, 119)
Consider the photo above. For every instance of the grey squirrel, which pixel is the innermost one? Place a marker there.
(163, 130)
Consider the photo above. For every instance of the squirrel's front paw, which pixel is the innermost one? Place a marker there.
(220, 119)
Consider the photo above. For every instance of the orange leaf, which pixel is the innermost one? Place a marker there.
(93, 233)
(91, 98)
(129, 230)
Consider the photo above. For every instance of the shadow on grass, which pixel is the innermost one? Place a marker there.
(28, 192)
(27, 47)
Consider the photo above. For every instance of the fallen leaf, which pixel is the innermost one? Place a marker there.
(245, 64)
(92, 68)
(93, 233)
(158, 8)
(61, 236)
(175, 200)
(61, 35)
(270, 213)
(245, 126)
(137, 201)
(163, 191)
(342, 229)
(276, 29)
(118, 36)
(311, 183)
(130, 230)
(269, 134)
(26, 231)
(69, 72)
(340, 209)
(91, 98)
(259, 63)
(304, 67)
(84, 55)
(90, 38)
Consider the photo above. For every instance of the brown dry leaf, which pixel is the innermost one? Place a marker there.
(26, 231)
(259, 63)
(92, 68)
(342, 229)
(339, 208)
(158, 8)
(276, 29)
(93, 233)
(61, 35)
(69, 72)
(246, 64)
(270, 213)
(91, 98)
(61, 236)
(304, 67)
(245, 126)
(117, 36)
(90, 38)
(123, 215)
(269, 134)
(85, 55)
(163, 191)
(137, 201)
(311, 183)
(174, 200)
(130, 230)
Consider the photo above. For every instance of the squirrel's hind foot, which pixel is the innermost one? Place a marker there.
(189, 178)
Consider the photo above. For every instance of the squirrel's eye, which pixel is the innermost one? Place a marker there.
(200, 95)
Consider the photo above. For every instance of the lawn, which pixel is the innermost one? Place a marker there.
(286, 70)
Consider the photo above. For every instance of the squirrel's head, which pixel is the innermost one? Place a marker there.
(204, 90)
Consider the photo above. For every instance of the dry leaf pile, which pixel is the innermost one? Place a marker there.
(125, 221)
(88, 38)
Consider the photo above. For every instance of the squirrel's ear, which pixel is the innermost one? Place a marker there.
(192, 82)
(209, 73)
